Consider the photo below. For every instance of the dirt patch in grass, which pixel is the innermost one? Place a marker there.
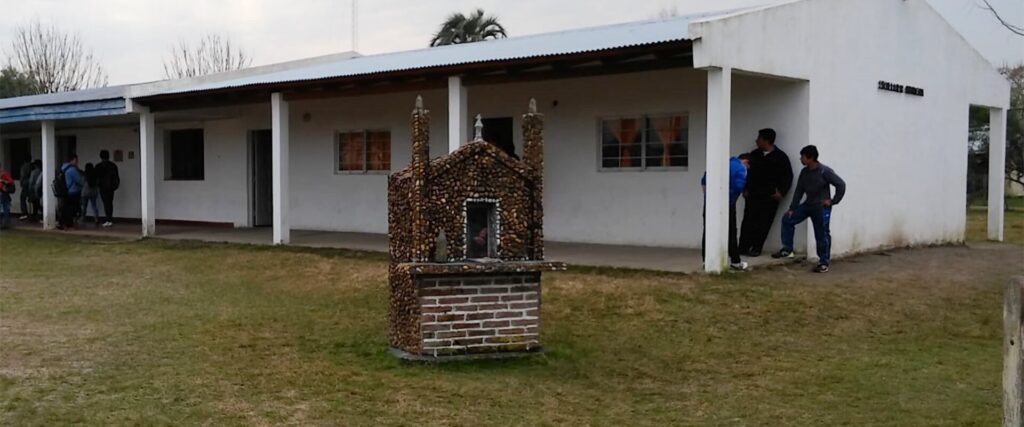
(186, 333)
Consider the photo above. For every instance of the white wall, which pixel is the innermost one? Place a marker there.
(89, 142)
(903, 157)
(582, 204)
(762, 102)
(222, 196)
(324, 200)
(585, 204)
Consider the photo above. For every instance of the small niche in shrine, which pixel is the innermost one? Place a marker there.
(481, 230)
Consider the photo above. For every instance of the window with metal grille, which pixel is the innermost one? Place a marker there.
(363, 151)
(645, 142)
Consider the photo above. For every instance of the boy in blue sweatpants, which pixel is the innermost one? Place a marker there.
(815, 182)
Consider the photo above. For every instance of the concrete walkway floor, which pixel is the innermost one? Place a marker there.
(680, 260)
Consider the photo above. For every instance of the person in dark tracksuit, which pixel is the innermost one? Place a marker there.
(815, 182)
(109, 181)
(768, 181)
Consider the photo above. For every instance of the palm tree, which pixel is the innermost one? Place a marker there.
(459, 28)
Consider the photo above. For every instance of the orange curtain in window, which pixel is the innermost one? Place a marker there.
(668, 131)
(626, 132)
(378, 151)
(351, 151)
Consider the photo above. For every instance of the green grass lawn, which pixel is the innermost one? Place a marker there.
(1013, 232)
(153, 332)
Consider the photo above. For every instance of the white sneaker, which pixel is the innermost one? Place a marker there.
(23, 218)
(108, 224)
(741, 266)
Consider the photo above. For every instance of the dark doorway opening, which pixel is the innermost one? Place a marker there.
(499, 131)
(19, 152)
(261, 175)
(66, 146)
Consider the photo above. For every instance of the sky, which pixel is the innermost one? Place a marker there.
(131, 38)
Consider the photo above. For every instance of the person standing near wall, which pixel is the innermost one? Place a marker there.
(768, 181)
(25, 176)
(7, 187)
(36, 188)
(109, 181)
(73, 199)
(816, 181)
(90, 191)
(737, 181)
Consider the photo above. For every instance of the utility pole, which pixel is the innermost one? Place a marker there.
(355, 26)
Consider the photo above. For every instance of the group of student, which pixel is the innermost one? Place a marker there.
(76, 190)
(31, 180)
(764, 177)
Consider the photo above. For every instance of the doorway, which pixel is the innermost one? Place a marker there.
(499, 131)
(261, 176)
(18, 153)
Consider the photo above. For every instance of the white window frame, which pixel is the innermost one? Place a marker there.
(366, 142)
(492, 244)
(643, 143)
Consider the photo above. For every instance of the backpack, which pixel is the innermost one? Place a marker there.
(60, 185)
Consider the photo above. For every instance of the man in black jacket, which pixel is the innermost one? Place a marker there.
(109, 181)
(768, 181)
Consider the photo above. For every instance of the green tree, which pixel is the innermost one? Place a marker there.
(16, 83)
(459, 28)
(1015, 125)
(979, 138)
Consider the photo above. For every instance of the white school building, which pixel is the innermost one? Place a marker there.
(635, 114)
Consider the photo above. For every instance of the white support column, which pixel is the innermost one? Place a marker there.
(147, 157)
(49, 171)
(458, 110)
(996, 172)
(279, 147)
(717, 161)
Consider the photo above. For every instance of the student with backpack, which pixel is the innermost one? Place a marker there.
(67, 186)
(109, 181)
(6, 189)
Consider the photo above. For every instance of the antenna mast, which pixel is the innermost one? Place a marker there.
(355, 24)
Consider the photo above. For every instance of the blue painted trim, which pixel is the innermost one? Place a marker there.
(76, 110)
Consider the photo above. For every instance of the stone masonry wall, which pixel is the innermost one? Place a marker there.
(479, 313)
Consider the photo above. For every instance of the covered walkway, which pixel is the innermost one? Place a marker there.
(678, 260)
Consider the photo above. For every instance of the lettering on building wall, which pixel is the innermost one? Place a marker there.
(898, 88)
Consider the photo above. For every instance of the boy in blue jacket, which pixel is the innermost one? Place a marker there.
(737, 181)
(69, 204)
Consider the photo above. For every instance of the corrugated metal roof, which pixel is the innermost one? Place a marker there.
(84, 95)
(540, 45)
(583, 40)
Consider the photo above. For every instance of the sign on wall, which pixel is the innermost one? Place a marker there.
(898, 88)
